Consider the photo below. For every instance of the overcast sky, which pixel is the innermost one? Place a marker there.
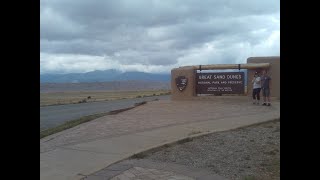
(154, 35)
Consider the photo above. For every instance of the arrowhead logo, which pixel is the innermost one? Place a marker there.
(181, 82)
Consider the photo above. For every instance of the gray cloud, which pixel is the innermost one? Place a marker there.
(156, 33)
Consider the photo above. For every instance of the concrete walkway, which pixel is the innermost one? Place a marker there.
(90, 147)
(152, 170)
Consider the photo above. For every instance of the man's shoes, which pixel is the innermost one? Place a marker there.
(264, 104)
(269, 104)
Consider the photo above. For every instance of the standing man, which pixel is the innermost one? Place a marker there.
(265, 79)
(256, 81)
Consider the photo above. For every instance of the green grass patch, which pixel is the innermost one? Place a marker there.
(274, 167)
(194, 132)
(73, 123)
(185, 140)
(249, 178)
(139, 155)
(70, 124)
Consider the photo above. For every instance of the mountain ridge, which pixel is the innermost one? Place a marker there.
(103, 76)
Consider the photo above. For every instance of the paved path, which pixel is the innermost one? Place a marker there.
(51, 116)
(89, 147)
(144, 169)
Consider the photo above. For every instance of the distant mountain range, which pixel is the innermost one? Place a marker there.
(105, 86)
(103, 76)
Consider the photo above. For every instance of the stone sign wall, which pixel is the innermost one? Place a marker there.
(186, 84)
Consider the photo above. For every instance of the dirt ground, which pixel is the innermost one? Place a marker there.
(246, 153)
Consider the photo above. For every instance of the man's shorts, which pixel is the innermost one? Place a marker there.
(266, 92)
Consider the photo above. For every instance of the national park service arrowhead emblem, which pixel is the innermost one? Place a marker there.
(181, 82)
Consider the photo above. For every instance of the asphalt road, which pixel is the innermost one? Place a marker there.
(51, 116)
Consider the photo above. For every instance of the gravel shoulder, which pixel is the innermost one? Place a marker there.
(247, 153)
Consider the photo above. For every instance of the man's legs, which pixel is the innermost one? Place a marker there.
(254, 96)
(258, 95)
(264, 97)
(268, 97)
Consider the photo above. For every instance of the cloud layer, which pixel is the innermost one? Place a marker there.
(154, 35)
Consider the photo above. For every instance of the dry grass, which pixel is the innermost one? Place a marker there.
(70, 124)
(57, 98)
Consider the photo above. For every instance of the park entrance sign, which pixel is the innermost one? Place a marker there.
(190, 82)
(220, 83)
